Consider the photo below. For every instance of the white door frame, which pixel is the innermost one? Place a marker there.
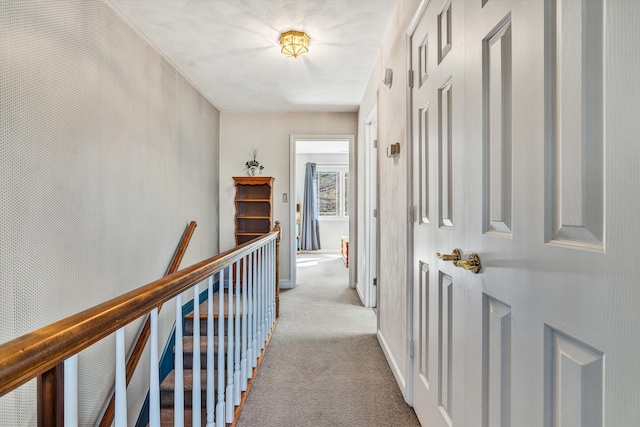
(293, 139)
(367, 260)
(371, 202)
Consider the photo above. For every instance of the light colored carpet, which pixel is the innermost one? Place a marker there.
(324, 365)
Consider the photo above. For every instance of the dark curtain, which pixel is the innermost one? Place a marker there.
(310, 231)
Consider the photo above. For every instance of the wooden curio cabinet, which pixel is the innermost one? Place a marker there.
(254, 207)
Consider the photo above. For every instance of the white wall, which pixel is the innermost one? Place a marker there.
(331, 229)
(106, 154)
(392, 180)
(270, 133)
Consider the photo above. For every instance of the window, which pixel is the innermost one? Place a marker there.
(333, 192)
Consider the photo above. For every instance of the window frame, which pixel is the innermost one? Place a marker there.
(341, 169)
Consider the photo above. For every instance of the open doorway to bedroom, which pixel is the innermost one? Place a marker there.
(320, 209)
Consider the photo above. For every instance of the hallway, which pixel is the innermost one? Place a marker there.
(324, 366)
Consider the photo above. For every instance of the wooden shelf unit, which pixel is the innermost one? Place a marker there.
(254, 207)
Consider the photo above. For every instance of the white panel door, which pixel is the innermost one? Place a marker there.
(545, 215)
(550, 203)
(439, 302)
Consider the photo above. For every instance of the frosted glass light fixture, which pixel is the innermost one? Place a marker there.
(294, 43)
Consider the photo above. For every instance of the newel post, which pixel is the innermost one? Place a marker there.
(278, 229)
(50, 392)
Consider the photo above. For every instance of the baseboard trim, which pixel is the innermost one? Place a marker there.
(286, 284)
(362, 298)
(397, 372)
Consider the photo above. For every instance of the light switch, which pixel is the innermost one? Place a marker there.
(285, 198)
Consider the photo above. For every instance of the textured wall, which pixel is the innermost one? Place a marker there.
(106, 153)
(269, 132)
(392, 187)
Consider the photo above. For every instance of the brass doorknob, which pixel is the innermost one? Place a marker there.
(472, 264)
(455, 256)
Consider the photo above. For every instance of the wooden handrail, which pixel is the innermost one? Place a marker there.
(28, 356)
(182, 248)
(145, 332)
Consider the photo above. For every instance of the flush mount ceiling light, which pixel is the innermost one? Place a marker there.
(294, 43)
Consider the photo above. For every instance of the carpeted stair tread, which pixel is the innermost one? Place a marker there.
(168, 384)
(167, 388)
(188, 325)
(187, 350)
(204, 306)
(167, 417)
(187, 343)
(170, 381)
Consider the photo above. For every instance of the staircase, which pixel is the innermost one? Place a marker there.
(46, 353)
(167, 387)
(249, 314)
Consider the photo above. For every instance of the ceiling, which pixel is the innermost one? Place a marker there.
(229, 49)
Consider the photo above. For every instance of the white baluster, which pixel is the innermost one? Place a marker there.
(263, 299)
(270, 288)
(254, 311)
(259, 302)
(249, 315)
(270, 282)
(236, 336)
(273, 279)
(71, 388)
(154, 374)
(243, 361)
(220, 407)
(230, 342)
(267, 292)
(196, 395)
(178, 400)
(210, 362)
(275, 285)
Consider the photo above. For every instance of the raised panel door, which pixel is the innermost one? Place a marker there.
(545, 192)
(437, 52)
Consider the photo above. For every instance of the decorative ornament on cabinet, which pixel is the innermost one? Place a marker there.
(254, 168)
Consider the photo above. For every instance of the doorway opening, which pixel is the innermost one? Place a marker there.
(367, 229)
(331, 155)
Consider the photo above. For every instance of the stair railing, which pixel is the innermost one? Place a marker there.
(50, 353)
(143, 336)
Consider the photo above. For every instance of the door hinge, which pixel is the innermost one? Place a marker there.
(411, 215)
(411, 349)
(410, 78)
(375, 281)
(375, 213)
(375, 143)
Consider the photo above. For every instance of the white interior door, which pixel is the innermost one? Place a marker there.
(549, 176)
(437, 59)
(544, 213)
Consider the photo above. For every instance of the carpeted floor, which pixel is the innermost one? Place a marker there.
(324, 366)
